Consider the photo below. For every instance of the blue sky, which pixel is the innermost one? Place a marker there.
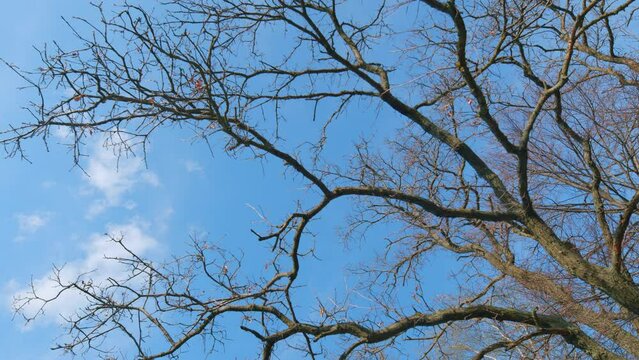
(53, 213)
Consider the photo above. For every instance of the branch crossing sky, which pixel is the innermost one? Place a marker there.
(53, 213)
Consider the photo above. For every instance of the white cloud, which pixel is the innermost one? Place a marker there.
(93, 267)
(161, 221)
(48, 184)
(193, 166)
(61, 133)
(97, 207)
(29, 224)
(114, 177)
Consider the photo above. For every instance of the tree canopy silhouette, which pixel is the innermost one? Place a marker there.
(513, 146)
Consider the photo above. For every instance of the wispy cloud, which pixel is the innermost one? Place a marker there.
(193, 166)
(93, 267)
(61, 133)
(48, 184)
(29, 224)
(114, 177)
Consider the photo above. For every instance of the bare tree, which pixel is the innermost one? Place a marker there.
(514, 147)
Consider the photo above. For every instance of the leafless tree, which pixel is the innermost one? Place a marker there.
(512, 145)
